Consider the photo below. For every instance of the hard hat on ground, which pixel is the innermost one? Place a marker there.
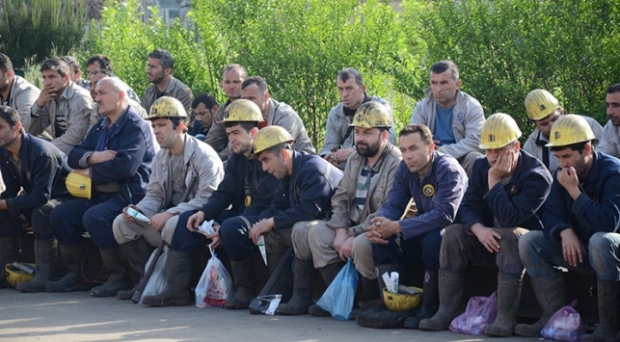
(242, 110)
(15, 275)
(167, 107)
(498, 131)
(401, 301)
(269, 137)
(372, 114)
(539, 104)
(570, 129)
(79, 185)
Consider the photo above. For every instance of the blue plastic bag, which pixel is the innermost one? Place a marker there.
(565, 325)
(339, 296)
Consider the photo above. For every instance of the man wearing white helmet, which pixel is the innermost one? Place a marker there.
(503, 201)
(581, 229)
(544, 109)
(184, 175)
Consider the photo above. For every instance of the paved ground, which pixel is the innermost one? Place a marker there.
(79, 317)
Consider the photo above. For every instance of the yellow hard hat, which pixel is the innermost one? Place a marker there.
(539, 104)
(167, 107)
(402, 302)
(79, 185)
(372, 114)
(14, 275)
(242, 110)
(268, 137)
(498, 131)
(570, 129)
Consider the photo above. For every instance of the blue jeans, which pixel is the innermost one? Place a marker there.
(95, 216)
(185, 240)
(423, 249)
(540, 254)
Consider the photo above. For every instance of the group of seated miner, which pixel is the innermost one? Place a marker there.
(477, 195)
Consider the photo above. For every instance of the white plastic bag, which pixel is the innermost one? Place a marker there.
(157, 281)
(215, 284)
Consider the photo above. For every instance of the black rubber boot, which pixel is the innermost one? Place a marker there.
(508, 298)
(302, 290)
(73, 257)
(328, 273)
(9, 253)
(284, 285)
(48, 265)
(551, 294)
(114, 262)
(370, 289)
(244, 280)
(178, 276)
(430, 301)
(450, 297)
(137, 253)
(608, 312)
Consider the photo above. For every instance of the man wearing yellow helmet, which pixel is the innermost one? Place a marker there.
(454, 117)
(367, 178)
(184, 174)
(245, 192)
(503, 201)
(544, 109)
(610, 141)
(233, 76)
(339, 143)
(307, 184)
(116, 155)
(581, 229)
(39, 169)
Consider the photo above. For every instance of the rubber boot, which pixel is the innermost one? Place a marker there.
(508, 298)
(430, 301)
(608, 315)
(370, 289)
(551, 294)
(284, 285)
(450, 298)
(48, 264)
(244, 280)
(137, 253)
(72, 256)
(328, 273)
(114, 263)
(303, 286)
(178, 276)
(9, 253)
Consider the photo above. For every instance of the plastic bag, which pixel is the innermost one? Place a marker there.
(339, 296)
(564, 325)
(157, 281)
(480, 313)
(215, 284)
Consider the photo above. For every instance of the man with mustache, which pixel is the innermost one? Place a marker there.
(184, 174)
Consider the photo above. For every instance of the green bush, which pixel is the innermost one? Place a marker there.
(32, 29)
(506, 48)
(126, 40)
(299, 46)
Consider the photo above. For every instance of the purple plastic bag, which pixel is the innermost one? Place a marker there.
(480, 313)
(564, 325)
